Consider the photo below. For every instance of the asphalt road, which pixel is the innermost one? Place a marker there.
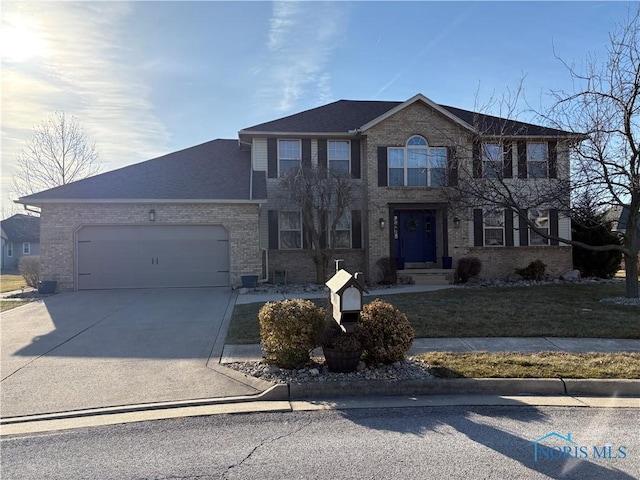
(403, 443)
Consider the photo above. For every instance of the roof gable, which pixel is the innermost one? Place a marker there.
(218, 170)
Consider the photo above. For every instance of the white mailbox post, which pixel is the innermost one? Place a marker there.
(346, 299)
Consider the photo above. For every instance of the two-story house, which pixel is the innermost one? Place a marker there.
(209, 215)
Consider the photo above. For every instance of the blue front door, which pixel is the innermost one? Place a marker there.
(415, 235)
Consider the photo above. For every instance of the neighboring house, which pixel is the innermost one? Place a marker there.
(20, 237)
(209, 214)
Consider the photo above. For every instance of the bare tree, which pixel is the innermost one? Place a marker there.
(324, 198)
(58, 153)
(605, 106)
(604, 110)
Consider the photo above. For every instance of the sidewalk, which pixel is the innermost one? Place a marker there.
(253, 353)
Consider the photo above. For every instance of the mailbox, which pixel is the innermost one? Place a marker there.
(346, 299)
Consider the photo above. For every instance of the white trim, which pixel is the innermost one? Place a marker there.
(280, 230)
(492, 227)
(26, 251)
(288, 159)
(295, 135)
(418, 97)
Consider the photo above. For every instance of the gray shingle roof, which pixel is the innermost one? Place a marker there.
(21, 228)
(347, 115)
(215, 170)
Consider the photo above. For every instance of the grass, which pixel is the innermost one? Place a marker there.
(533, 365)
(9, 282)
(9, 304)
(539, 311)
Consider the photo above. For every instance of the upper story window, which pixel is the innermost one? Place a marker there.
(26, 248)
(289, 155)
(339, 154)
(494, 228)
(538, 160)
(541, 220)
(492, 161)
(417, 164)
(290, 226)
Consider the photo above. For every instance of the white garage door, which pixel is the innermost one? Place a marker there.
(143, 256)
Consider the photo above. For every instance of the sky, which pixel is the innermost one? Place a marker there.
(148, 78)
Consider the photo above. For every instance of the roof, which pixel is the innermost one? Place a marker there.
(21, 228)
(218, 170)
(347, 116)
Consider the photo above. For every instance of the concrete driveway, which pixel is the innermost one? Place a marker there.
(114, 347)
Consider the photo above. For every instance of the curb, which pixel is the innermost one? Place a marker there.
(602, 387)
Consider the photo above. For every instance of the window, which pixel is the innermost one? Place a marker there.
(290, 230)
(492, 165)
(537, 160)
(26, 248)
(417, 164)
(9, 249)
(342, 237)
(289, 156)
(339, 155)
(541, 220)
(494, 228)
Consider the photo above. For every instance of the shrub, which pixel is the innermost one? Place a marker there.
(288, 330)
(29, 268)
(388, 272)
(534, 271)
(388, 335)
(591, 263)
(469, 267)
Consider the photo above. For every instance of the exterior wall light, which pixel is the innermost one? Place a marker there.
(381, 222)
(152, 215)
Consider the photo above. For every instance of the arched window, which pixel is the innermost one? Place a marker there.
(417, 164)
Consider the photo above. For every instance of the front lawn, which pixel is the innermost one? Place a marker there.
(9, 304)
(10, 282)
(533, 365)
(540, 311)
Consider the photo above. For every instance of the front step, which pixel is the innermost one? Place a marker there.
(428, 276)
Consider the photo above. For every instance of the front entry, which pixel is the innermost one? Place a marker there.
(415, 235)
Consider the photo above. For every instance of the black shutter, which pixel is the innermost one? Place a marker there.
(306, 244)
(355, 158)
(477, 159)
(452, 162)
(508, 228)
(322, 153)
(522, 159)
(272, 157)
(356, 229)
(382, 166)
(507, 157)
(553, 225)
(273, 230)
(324, 234)
(524, 228)
(306, 153)
(478, 230)
(553, 159)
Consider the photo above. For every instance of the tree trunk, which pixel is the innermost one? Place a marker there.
(321, 263)
(631, 271)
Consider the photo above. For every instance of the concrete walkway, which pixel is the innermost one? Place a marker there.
(253, 353)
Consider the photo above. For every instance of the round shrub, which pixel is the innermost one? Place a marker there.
(534, 271)
(469, 267)
(388, 333)
(288, 330)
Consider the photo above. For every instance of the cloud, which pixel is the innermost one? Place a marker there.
(78, 62)
(302, 38)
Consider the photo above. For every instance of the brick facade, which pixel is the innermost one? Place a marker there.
(300, 268)
(59, 222)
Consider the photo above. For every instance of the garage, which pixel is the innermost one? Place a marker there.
(145, 256)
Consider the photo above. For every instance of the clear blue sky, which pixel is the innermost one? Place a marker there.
(148, 78)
